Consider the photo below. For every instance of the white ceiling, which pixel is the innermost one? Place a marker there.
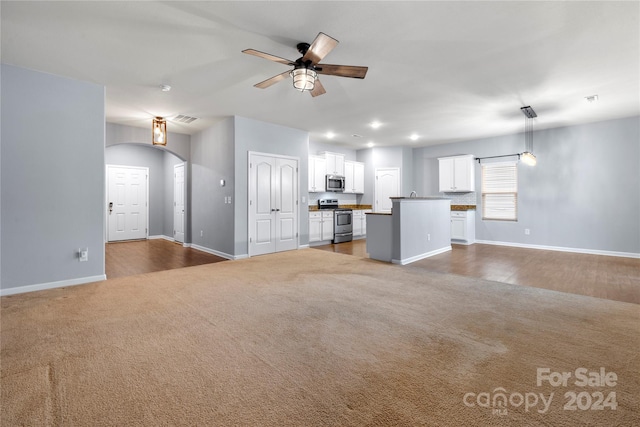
(447, 71)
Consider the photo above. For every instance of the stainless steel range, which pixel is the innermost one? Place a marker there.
(342, 220)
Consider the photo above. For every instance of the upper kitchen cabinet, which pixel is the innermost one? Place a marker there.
(335, 163)
(317, 173)
(353, 177)
(457, 174)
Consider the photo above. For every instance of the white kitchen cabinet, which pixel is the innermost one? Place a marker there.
(360, 222)
(457, 174)
(463, 227)
(353, 177)
(315, 226)
(327, 225)
(335, 163)
(357, 223)
(358, 178)
(317, 173)
(320, 226)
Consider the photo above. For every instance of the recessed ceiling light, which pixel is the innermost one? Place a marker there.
(165, 88)
(592, 98)
(414, 137)
(330, 135)
(375, 124)
(370, 144)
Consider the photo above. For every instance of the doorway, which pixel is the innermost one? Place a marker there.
(387, 184)
(178, 203)
(273, 203)
(127, 203)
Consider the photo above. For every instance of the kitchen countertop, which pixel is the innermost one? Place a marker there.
(379, 213)
(355, 207)
(463, 207)
(419, 198)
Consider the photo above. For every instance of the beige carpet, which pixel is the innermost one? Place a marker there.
(312, 338)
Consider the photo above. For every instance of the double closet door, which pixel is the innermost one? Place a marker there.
(273, 204)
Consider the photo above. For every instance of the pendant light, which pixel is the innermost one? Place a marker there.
(527, 157)
(159, 131)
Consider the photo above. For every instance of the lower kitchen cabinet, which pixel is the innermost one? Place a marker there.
(320, 226)
(463, 227)
(360, 222)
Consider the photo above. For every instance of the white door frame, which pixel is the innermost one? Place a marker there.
(249, 213)
(106, 193)
(184, 200)
(375, 185)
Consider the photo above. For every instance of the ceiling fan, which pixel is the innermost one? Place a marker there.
(306, 68)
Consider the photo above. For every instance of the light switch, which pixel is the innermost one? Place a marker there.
(83, 254)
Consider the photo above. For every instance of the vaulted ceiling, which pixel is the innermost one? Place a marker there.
(445, 71)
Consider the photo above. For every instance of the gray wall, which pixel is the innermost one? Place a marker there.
(584, 192)
(386, 157)
(177, 143)
(252, 135)
(317, 147)
(52, 178)
(160, 164)
(212, 154)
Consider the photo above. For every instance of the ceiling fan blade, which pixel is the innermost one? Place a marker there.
(268, 56)
(273, 80)
(318, 89)
(342, 70)
(321, 46)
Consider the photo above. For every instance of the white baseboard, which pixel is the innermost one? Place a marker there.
(303, 246)
(562, 249)
(161, 236)
(415, 258)
(52, 285)
(217, 253)
(170, 239)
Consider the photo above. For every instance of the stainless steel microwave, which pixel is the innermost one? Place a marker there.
(335, 183)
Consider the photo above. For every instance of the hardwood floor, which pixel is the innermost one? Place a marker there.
(598, 276)
(146, 256)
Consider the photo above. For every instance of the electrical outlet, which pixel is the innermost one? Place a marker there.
(83, 254)
(201, 233)
(429, 237)
(527, 231)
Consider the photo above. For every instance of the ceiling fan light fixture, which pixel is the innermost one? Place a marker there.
(304, 79)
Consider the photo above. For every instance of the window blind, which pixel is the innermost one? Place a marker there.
(500, 191)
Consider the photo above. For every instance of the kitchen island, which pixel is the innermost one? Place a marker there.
(416, 228)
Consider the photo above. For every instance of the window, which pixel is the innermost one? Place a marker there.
(500, 191)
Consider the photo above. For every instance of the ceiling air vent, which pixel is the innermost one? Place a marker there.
(181, 118)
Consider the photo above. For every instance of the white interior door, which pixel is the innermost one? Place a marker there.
(262, 227)
(178, 203)
(387, 185)
(273, 204)
(127, 204)
(286, 204)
